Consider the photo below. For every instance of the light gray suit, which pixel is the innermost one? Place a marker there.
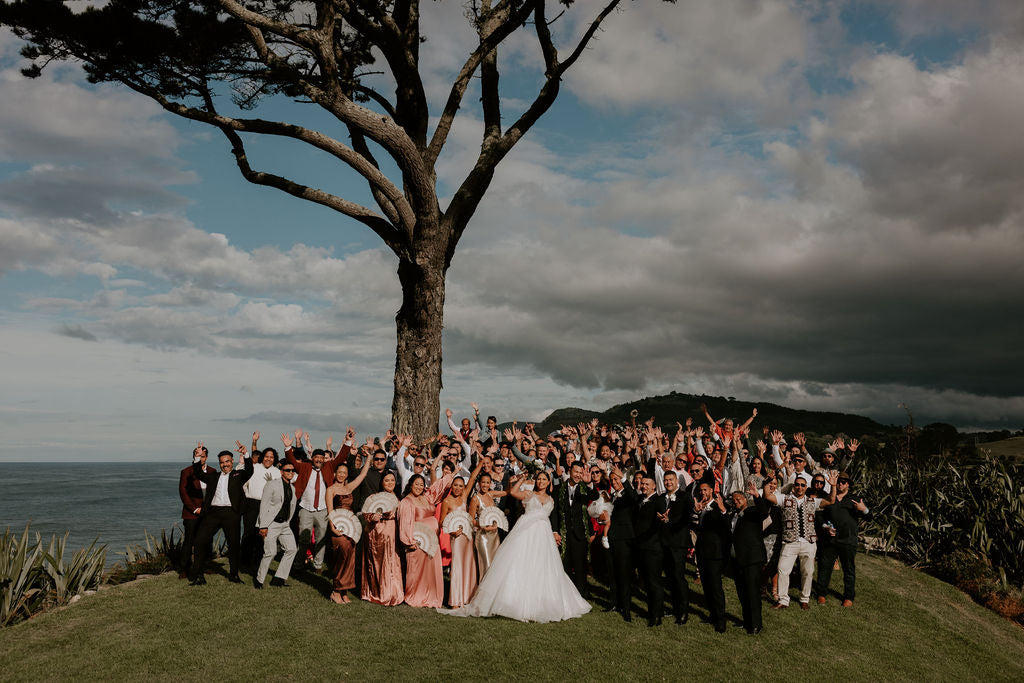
(277, 532)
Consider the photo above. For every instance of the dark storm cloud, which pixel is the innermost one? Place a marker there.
(76, 332)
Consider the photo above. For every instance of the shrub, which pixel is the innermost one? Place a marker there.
(35, 577)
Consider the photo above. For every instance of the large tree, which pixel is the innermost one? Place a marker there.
(190, 55)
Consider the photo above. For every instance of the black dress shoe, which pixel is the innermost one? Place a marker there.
(610, 608)
(720, 627)
(235, 578)
(754, 631)
(626, 616)
(281, 583)
(653, 622)
(201, 581)
(256, 583)
(682, 620)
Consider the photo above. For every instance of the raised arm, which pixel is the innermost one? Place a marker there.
(354, 484)
(289, 452)
(743, 427)
(711, 420)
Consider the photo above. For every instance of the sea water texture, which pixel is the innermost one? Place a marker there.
(116, 503)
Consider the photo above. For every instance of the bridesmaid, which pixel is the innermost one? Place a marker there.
(343, 550)
(463, 573)
(382, 568)
(424, 578)
(487, 539)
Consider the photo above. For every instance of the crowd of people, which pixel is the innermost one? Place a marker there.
(629, 506)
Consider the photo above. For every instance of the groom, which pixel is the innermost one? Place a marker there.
(570, 524)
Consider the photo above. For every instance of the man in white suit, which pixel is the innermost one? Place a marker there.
(277, 507)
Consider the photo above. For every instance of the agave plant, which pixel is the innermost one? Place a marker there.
(67, 580)
(19, 572)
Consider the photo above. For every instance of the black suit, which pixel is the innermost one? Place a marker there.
(675, 543)
(620, 537)
(712, 549)
(748, 557)
(226, 517)
(648, 549)
(576, 539)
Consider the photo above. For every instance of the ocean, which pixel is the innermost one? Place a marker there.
(116, 503)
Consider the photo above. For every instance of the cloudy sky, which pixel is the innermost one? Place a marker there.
(814, 204)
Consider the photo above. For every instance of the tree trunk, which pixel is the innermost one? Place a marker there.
(416, 406)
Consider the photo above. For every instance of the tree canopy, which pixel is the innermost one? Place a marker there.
(214, 61)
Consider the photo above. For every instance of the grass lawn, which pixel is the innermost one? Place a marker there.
(1011, 449)
(905, 626)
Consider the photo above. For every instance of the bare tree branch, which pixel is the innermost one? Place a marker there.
(462, 81)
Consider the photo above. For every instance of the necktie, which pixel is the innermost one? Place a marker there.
(800, 520)
(284, 515)
(316, 494)
(672, 498)
(570, 495)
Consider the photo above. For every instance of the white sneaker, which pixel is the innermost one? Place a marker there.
(604, 542)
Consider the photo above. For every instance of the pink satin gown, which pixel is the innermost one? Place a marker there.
(424, 577)
(463, 573)
(382, 567)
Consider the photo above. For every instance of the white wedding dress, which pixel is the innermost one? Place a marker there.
(526, 581)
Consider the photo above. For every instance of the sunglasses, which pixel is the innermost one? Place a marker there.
(380, 459)
(419, 464)
(289, 471)
(800, 484)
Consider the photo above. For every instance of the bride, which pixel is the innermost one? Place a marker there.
(526, 581)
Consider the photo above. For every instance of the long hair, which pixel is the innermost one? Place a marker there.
(546, 490)
(380, 487)
(408, 484)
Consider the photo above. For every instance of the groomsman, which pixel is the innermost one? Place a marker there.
(711, 548)
(277, 507)
(647, 545)
(675, 544)
(748, 553)
(570, 513)
(191, 490)
(620, 538)
(222, 509)
(311, 481)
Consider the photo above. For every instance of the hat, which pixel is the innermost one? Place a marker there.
(805, 476)
(846, 476)
(830, 451)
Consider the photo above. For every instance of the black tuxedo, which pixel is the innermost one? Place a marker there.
(576, 536)
(748, 556)
(675, 543)
(647, 545)
(620, 537)
(226, 517)
(236, 482)
(712, 548)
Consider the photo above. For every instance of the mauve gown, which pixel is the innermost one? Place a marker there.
(463, 572)
(424, 577)
(343, 551)
(382, 567)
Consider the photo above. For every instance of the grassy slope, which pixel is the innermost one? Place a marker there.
(1011, 449)
(906, 625)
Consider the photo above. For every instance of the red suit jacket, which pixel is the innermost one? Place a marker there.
(190, 492)
(304, 470)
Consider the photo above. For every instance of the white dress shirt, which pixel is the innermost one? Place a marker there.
(220, 496)
(260, 476)
(309, 493)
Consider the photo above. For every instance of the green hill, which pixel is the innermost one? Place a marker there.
(905, 626)
(1011, 449)
(674, 407)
